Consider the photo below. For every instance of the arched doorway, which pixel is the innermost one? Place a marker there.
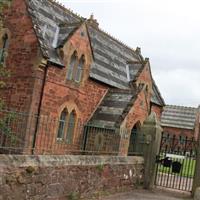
(134, 145)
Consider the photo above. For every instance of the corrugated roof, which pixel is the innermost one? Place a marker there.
(179, 116)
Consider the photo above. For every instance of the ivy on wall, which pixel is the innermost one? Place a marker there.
(3, 71)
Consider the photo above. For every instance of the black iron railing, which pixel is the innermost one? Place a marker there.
(22, 133)
(176, 162)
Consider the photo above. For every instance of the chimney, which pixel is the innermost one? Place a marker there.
(93, 22)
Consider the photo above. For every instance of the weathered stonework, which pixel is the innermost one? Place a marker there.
(62, 177)
(157, 110)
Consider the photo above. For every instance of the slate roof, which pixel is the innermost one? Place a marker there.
(47, 16)
(65, 30)
(110, 55)
(115, 64)
(110, 59)
(114, 107)
(156, 96)
(179, 117)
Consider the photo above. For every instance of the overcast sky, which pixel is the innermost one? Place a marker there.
(168, 32)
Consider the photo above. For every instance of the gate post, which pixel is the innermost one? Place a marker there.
(152, 131)
(196, 181)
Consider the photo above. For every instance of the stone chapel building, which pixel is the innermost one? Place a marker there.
(65, 67)
(181, 122)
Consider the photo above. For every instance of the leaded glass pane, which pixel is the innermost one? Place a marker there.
(70, 129)
(61, 127)
(71, 66)
(79, 71)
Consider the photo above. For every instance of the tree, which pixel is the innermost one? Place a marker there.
(3, 72)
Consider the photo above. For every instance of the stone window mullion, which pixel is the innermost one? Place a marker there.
(66, 126)
(62, 124)
(79, 69)
(75, 70)
(71, 67)
(71, 125)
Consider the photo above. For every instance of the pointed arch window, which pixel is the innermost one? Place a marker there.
(72, 64)
(62, 122)
(66, 126)
(3, 49)
(79, 71)
(71, 127)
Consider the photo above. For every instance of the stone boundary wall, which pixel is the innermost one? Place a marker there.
(67, 177)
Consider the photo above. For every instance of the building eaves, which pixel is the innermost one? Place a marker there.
(179, 117)
(156, 96)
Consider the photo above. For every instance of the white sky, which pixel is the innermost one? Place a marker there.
(168, 32)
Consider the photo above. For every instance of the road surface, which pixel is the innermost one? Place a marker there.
(150, 195)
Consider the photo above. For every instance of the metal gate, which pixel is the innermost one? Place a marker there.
(176, 162)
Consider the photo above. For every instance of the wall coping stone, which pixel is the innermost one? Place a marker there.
(197, 194)
(65, 160)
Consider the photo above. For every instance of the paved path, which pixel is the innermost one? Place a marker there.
(150, 195)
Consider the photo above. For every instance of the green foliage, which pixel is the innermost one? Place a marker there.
(3, 71)
(30, 169)
(5, 120)
(3, 74)
(187, 169)
(100, 167)
(5, 126)
(74, 196)
(4, 3)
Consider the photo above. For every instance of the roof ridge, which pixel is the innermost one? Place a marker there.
(70, 24)
(62, 6)
(180, 106)
(115, 39)
(55, 2)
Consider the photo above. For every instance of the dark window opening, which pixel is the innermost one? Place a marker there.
(3, 49)
(136, 141)
(71, 67)
(79, 71)
(62, 122)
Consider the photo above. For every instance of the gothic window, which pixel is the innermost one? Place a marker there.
(71, 67)
(3, 49)
(71, 127)
(79, 71)
(62, 122)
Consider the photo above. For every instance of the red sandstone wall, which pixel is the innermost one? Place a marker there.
(140, 110)
(60, 93)
(178, 131)
(197, 126)
(23, 54)
(141, 107)
(157, 109)
(67, 177)
(26, 79)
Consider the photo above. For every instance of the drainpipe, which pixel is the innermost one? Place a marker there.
(45, 65)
